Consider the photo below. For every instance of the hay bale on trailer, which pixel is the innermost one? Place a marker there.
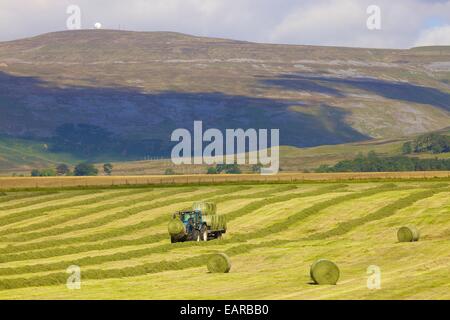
(219, 263)
(207, 208)
(408, 234)
(216, 222)
(324, 272)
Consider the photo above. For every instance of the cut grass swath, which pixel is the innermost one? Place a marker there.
(33, 201)
(262, 194)
(105, 235)
(98, 222)
(24, 252)
(382, 213)
(282, 198)
(239, 238)
(147, 268)
(324, 272)
(146, 224)
(91, 211)
(113, 217)
(8, 197)
(114, 232)
(314, 209)
(159, 237)
(24, 215)
(219, 263)
(408, 234)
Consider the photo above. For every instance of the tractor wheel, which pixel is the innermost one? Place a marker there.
(173, 240)
(196, 236)
(204, 233)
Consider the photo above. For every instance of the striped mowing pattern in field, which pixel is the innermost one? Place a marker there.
(119, 239)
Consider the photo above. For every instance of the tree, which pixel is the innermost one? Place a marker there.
(43, 173)
(211, 170)
(256, 168)
(233, 169)
(62, 169)
(407, 148)
(48, 172)
(85, 169)
(228, 168)
(107, 168)
(169, 172)
(432, 142)
(374, 163)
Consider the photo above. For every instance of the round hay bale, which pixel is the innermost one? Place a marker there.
(175, 227)
(324, 272)
(207, 208)
(219, 263)
(408, 234)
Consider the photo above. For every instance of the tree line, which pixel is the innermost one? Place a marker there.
(81, 169)
(432, 142)
(374, 163)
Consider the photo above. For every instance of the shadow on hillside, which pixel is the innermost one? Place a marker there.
(389, 89)
(32, 107)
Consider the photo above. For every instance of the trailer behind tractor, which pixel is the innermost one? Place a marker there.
(200, 224)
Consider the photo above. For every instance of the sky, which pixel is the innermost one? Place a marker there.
(400, 23)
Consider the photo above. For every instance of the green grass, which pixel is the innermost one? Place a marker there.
(20, 156)
(300, 159)
(121, 257)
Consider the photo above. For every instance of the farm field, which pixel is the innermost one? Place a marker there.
(118, 237)
(17, 183)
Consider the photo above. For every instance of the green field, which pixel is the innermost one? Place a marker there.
(119, 239)
(20, 156)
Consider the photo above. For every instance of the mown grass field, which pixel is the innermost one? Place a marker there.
(119, 239)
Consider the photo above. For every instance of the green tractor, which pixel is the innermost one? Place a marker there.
(198, 224)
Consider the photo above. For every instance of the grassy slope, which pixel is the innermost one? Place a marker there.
(292, 159)
(20, 156)
(119, 238)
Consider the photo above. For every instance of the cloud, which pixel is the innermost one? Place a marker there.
(326, 22)
(434, 36)
(320, 22)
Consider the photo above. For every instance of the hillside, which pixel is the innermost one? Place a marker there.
(20, 156)
(291, 158)
(139, 86)
(119, 239)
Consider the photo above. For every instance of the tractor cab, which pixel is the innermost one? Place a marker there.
(191, 219)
